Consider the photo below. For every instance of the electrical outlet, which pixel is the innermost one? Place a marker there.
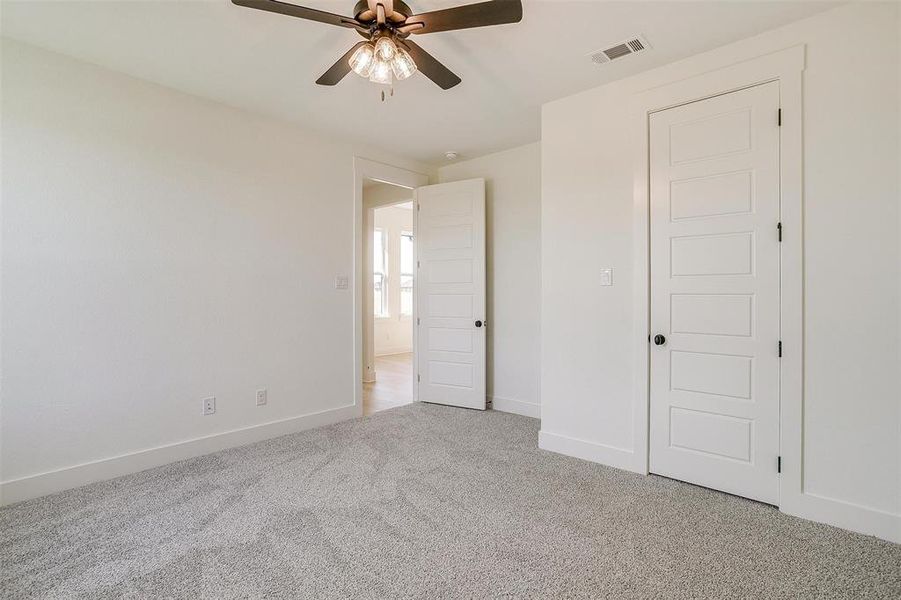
(262, 397)
(209, 405)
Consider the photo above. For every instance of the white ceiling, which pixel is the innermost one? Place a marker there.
(267, 63)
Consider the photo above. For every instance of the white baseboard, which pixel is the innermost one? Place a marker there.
(600, 453)
(108, 468)
(853, 517)
(517, 407)
(842, 514)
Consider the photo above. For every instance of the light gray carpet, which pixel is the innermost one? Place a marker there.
(422, 502)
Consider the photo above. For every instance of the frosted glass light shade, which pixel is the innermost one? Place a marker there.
(381, 72)
(403, 65)
(362, 60)
(385, 48)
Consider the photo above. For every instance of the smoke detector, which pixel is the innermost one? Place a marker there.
(451, 155)
(633, 45)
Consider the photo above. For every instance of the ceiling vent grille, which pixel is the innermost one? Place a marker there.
(630, 46)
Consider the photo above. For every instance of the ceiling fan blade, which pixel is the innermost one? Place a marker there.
(302, 12)
(338, 70)
(429, 66)
(494, 12)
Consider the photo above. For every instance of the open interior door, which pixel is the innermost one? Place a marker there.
(450, 293)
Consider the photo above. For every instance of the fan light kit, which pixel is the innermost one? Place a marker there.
(382, 62)
(387, 54)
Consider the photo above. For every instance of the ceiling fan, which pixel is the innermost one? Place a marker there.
(387, 52)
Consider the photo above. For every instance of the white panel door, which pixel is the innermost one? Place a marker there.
(714, 168)
(450, 344)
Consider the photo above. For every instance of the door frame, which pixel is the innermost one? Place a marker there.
(370, 169)
(786, 67)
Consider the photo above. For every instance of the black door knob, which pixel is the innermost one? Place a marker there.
(659, 340)
(478, 323)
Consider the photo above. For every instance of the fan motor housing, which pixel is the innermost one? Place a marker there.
(401, 12)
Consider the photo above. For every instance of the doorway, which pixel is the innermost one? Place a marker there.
(369, 172)
(715, 344)
(448, 289)
(389, 260)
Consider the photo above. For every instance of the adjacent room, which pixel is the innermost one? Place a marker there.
(450, 299)
(388, 319)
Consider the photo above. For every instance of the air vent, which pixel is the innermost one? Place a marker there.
(630, 46)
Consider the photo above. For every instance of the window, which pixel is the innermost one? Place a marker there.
(406, 273)
(379, 274)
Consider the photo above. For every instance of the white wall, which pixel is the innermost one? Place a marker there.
(157, 249)
(394, 333)
(377, 194)
(852, 405)
(513, 225)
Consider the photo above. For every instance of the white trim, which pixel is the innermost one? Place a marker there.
(619, 458)
(517, 407)
(854, 517)
(369, 169)
(50, 482)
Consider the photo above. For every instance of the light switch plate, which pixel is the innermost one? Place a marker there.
(607, 276)
(341, 282)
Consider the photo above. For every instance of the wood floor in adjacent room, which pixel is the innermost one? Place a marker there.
(393, 385)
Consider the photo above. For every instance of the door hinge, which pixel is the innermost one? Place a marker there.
(779, 117)
(417, 320)
(417, 264)
(779, 229)
(780, 348)
(418, 378)
(779, 464)
(419, 206)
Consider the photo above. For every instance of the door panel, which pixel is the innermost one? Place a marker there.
(712, 314)
(710, 137)
(726, 254)
(714, 168)
(713, 196)
(717, 374)
(719, 435)
(450, 348)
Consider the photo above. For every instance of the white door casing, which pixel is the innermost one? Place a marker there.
(714, 210)
(450, 293)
